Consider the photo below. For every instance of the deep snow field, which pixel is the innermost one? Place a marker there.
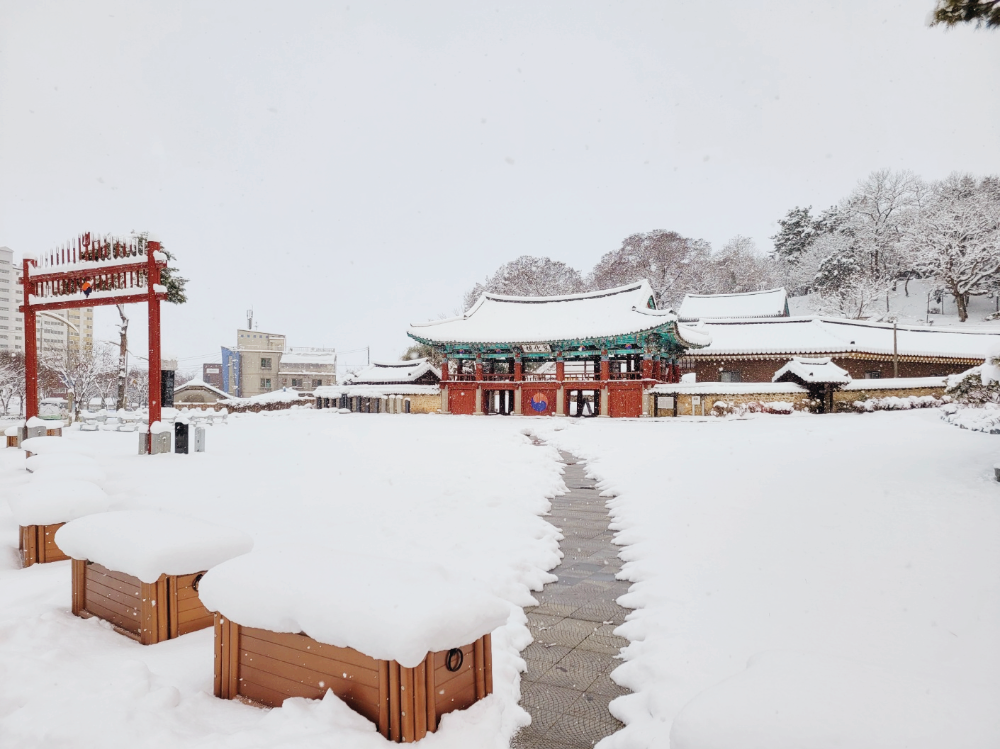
(852, 560)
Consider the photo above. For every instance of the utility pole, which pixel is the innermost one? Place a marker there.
(895, 352)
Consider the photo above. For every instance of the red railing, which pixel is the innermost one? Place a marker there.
(626, 375)
(462, 377)
(539, 377)
(498, 377)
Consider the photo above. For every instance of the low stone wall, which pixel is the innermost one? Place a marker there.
(686, 407)
(849, 396)
(424, 403)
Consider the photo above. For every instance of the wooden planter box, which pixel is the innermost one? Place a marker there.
(13, 440)
(37, 544)
(147, 612)
(266, 668)
(53, 432)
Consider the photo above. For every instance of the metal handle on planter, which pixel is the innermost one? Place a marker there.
(453, 661)
(196, 581)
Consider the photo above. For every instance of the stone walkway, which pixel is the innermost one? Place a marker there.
(567, 688)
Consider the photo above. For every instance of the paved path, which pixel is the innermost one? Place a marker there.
(567, 688)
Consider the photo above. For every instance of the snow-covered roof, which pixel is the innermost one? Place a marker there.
(374, 391)
(398, 371)
(826, 335)
(770, 303)
(726, 388)
(197, 383)
(517, 319)
(813, 369)
(285, 395)
(897, 383)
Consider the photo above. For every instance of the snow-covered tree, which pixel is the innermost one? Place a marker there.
(11, 379)
(80, 372)
(529, 276)
(848, 286)
(738, 268)
(674, 266)
(956, 238)
(798, 228)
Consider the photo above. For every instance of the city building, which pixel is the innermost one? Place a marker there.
(260, 364)
(57, 333)
(212, 374)
(307, 368)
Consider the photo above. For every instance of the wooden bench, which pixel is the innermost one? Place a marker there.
(266, 668)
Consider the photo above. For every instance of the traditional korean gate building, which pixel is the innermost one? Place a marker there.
(624, 343)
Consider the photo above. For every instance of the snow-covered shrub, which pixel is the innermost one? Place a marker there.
(724, 408)
(895, 403)
(975, 387)
(978, 419)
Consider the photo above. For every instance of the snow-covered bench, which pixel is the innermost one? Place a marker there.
(42, 507)
(414, 643)
(140, 569)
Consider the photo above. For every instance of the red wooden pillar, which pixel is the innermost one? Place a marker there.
(560, 370)
(479, 368)
(30, 345)
(444, 369)
(605, 368)
(657, 368)
(647, 368)
(152, 281)
(518, 370)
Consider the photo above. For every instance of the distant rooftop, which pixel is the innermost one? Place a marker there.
(378, 373)
(770, 303)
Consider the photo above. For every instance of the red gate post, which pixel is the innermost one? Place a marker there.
(152, 281)
(30, 346)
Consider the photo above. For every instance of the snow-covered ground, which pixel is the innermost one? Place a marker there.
(461, 493)
(851, 560)
(915, 308)
(864, 548)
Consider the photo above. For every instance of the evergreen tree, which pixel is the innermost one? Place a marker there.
(980, 12)
(798, 228)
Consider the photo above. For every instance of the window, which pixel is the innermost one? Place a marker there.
(730, 376)
(265, 362)
(317, 383)
(873, 375)
(296, 383)
(265, 383)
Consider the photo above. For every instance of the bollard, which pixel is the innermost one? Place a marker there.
(181, 433)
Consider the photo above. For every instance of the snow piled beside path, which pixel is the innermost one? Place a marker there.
(463, 493)
(864, 549)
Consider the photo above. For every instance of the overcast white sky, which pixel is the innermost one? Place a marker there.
(346, 170)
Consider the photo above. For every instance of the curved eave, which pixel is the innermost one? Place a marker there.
(670, 331)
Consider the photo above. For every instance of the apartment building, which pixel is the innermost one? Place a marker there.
(57, 332)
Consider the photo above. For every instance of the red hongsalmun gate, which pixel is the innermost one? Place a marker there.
(118, 274)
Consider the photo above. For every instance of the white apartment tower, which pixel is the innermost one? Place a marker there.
(57, 332)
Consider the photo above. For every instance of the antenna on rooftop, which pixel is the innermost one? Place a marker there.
(249, 319)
